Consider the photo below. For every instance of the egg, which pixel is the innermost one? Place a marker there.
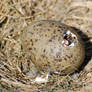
(53, 46)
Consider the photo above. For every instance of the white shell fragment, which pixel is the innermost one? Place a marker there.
(67, 41)
(68, 32)
(42, 80)
(71, 45)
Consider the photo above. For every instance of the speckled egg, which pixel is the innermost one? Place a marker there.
(53, 46)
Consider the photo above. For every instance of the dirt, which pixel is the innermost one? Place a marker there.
(16, 70)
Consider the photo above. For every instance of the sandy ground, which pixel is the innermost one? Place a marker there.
(16, 72)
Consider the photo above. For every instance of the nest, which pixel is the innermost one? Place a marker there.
(16, 70)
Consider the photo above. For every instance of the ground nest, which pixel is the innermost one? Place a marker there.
(16, 70)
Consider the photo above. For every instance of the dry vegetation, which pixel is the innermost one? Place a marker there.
(16, 71)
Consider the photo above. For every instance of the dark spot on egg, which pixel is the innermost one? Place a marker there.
(31, 33)
(50, 40)
(30, 48)
(44, 50)
(32, 44)
(68, 56)
(31, 40)
(48, 29)
(52, 23)
(45, 35)
(59, 26)
(43, 56)
(65, 58)
(34, 48)
(36, 40)
(59, 30)
(58, 59)
(54, 31)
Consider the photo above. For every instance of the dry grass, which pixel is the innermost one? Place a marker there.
(16, 71)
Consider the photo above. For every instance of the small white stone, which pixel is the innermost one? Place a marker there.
(42, 80)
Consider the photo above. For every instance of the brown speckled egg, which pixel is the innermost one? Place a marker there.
(53, 46)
